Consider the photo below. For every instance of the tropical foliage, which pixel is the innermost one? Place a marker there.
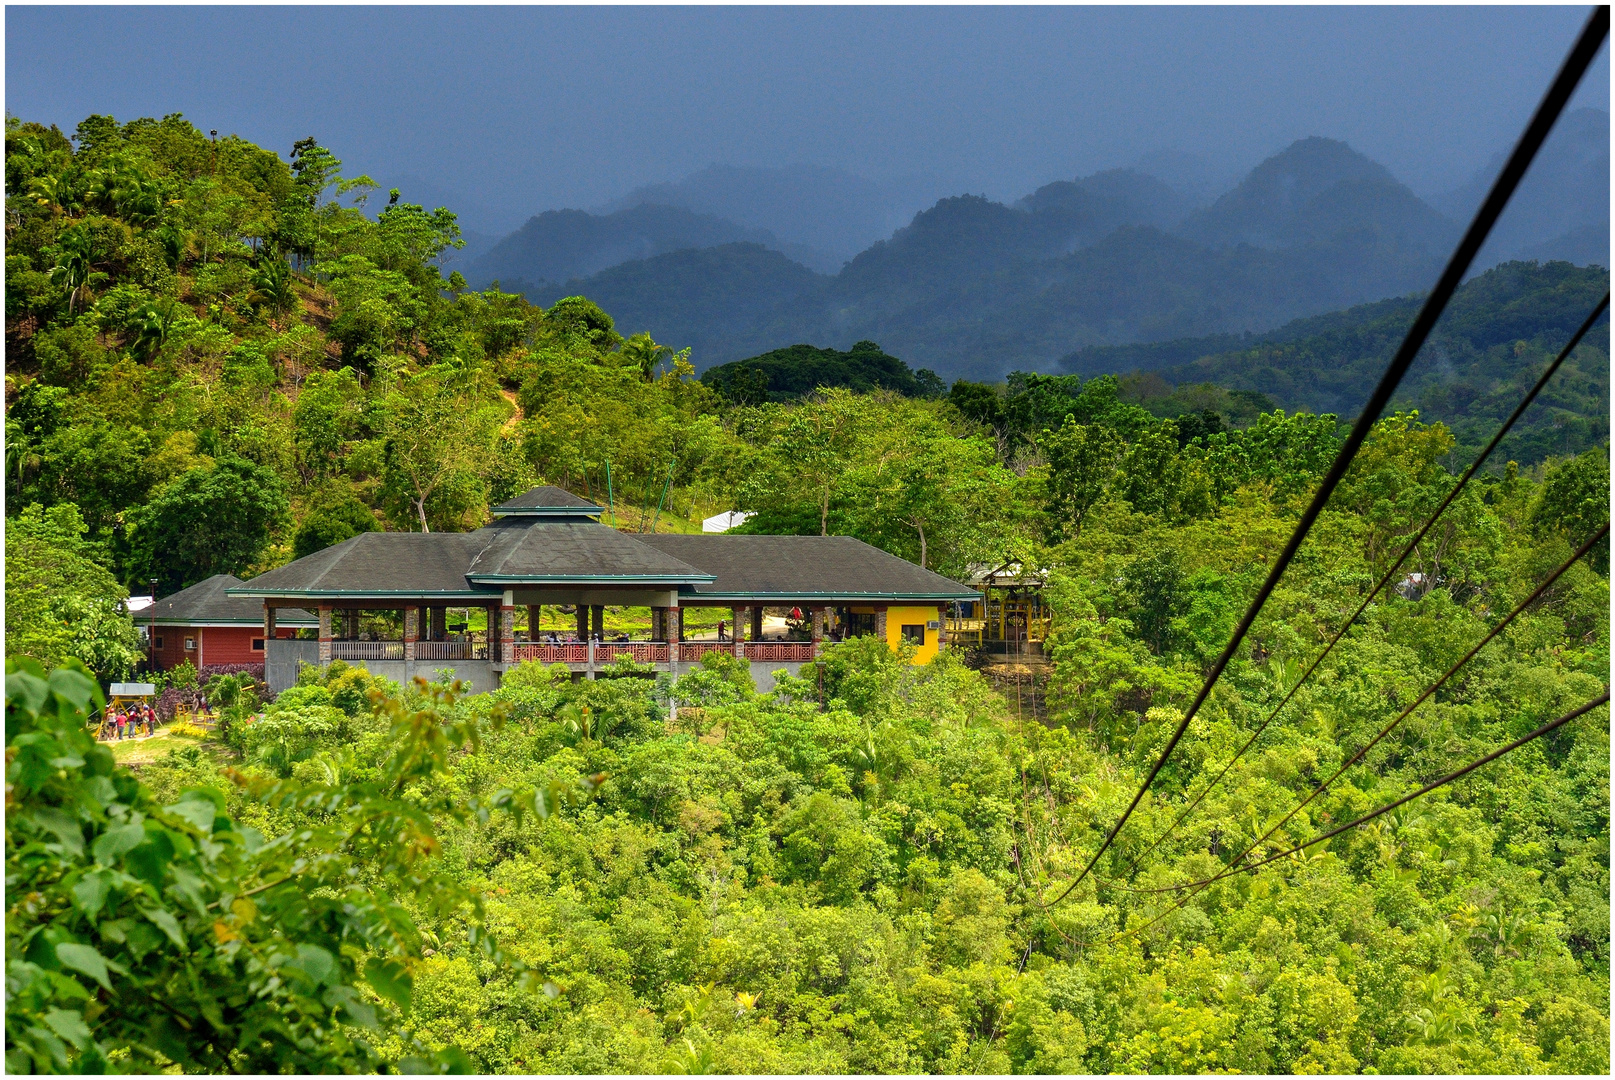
(220, 360)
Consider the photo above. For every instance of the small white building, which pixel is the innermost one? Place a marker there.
(723, 522)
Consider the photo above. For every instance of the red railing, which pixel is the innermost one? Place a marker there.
(572, 653)
(691, 652)
(780, 652)
(644, 652)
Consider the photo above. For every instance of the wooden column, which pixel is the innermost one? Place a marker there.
(325, 634)
(439, 623)
(350, 624)
(756, 624)
(597, 616)
(583, 622)
(534, 617)
(677, 633)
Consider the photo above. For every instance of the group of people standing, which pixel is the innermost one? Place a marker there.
(135, 722)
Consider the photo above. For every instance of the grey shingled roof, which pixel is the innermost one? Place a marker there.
(207, 602)
(804, 568)
(380, 564)
(477, 566)
(519, 551)
(545, 501)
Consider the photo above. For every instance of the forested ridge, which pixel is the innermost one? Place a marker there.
(218, 360)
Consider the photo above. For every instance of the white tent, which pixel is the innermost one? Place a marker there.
(718, 523)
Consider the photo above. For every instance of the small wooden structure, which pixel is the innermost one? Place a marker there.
(121, 696)
(1011, 608)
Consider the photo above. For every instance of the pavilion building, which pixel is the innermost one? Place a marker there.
(384, 600)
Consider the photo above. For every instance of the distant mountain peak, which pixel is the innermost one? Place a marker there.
(1313, 189)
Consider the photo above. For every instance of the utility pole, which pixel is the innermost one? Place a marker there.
(151, 624)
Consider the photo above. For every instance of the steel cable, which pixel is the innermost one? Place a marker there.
(1396, 721)
(1536, 132)
(1463, 481)
(1205, 883)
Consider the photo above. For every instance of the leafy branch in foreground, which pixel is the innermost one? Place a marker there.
(141, 936)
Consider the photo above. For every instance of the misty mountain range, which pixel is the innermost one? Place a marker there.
(736, 262)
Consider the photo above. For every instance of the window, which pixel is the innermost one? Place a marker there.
(159, 642)
(257, 644)
(914, 632)
(190, 644)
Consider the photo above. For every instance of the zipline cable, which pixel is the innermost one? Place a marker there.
(1602, 699)
(1586, 546)
(1536, 132)
(1463, 481)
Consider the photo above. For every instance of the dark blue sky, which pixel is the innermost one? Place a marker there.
(502, 112)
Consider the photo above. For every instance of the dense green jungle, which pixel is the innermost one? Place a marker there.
(219, 360)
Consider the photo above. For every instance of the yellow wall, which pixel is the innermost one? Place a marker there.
(897, 616)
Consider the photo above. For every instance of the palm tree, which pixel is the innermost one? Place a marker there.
(152, 326)
(75, 266)
(272, 282)
(645, 354)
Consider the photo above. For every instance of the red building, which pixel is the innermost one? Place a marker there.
(205, 626)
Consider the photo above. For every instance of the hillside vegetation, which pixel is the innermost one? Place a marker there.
(1496, 336)
(217, 360)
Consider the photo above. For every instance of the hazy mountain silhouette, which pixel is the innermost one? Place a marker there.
(1561, 209)
(972, 287)
(721, 301)
(831, 215)
(559, 245)
(1078, 213)
(1320, 191)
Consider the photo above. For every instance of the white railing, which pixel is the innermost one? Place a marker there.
(367, 650)
(450, 650)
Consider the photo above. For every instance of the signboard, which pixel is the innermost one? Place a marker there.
(133, 689)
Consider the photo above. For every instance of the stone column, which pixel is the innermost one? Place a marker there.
(941, 626)
(325, 634)
(816, 622)
(412, 630)
(269, 626)
(583, 622)
(742, 623)
(658, 631)
(597, 615)
(507, 635)
(440, 623)
(880, 623)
